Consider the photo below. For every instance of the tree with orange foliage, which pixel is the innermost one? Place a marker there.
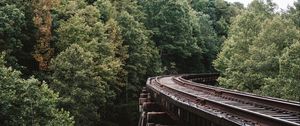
(43, 21)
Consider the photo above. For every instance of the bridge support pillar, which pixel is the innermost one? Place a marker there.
(152, 113)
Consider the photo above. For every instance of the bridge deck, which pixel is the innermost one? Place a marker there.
(263, 110)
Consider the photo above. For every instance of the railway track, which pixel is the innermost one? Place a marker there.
(237, 107)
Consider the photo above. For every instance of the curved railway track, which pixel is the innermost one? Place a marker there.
(236, 107)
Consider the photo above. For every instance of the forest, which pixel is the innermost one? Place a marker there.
(84, 62)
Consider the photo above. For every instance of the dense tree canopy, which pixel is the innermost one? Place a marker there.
(11, 22)
(294, 13)
(42, 20)
(142, 53)
(82, 91)
(180, 33)
(28, 101)
(231, 61)
(220, 12)
(83, 62)
(252, 58)
(289, 73)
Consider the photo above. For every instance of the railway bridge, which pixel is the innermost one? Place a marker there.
(192, 100)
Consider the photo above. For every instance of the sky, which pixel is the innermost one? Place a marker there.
(282, 4)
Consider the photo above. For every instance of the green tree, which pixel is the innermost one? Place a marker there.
(11, 22)
(220, 13)
(101, 37)
(289, 72)
(143, 57)
(255, 57)
(121, 52)
(185, 37)
(232, 60)
(82, 26)
(294, 13)
(82, 90)
(267, 49)
(107, 9)
(178, 32)
(28, 101)
(172, 21)
(286, 84)
(17, 34)
(102, 40)
(208, 42)
(278, 53)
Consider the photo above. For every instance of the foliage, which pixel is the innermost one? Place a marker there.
(103, 41)
(11, 22)
(235, 51)
(81, 89)
(181, 33)
(121, 52)
(143, 57)
(252, 57)
(82, 25)
(294, 13)
(17, 34)
(42, 20)
(107, 9)
(172, 39)
(220, 13)
(289, 71)
(85, 29)
(102, 51)
(28, 101)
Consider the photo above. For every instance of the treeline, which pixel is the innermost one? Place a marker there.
(262, 52)
(83, 62)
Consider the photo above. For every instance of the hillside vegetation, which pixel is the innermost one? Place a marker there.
(84, 62)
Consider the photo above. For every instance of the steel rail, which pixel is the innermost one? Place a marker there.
(158, 88)
(203, 101)
(291, 106)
